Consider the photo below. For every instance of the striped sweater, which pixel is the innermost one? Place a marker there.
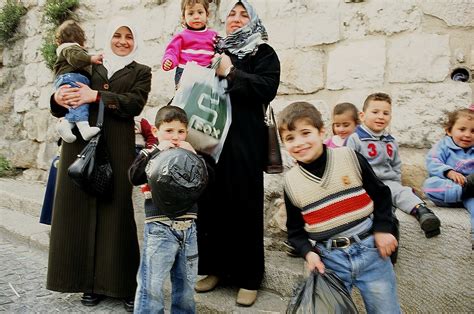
(333, 203)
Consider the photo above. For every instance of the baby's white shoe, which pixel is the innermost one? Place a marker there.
(86, 130)
(64, 128)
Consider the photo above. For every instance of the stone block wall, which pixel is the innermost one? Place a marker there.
(330, 50)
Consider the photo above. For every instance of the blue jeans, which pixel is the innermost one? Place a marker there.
(80, 113)
(167, 251)
(361, 265)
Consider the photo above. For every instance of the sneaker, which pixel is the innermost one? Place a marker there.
(290, 250)
(206, 284)
(246, 297)
(429, 223)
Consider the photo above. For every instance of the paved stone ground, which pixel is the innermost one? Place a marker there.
(24, 269)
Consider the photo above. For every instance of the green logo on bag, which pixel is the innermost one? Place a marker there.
(206, 111)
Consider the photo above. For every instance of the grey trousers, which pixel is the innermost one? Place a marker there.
(402, 196)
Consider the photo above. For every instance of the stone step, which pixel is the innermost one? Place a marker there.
(222, 300)
(22, 202)
(433, 275)
(22, 196)
(25, 227)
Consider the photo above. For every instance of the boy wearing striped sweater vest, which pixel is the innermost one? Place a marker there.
(339, 213)
(372, 140)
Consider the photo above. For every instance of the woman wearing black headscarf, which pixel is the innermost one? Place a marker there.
(230, 223)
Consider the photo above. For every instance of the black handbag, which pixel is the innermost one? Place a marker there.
(91, 171)
(273, 163)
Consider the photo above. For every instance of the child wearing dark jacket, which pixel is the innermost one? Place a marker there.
(176, 177)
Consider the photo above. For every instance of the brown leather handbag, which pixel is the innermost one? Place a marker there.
(273, 162)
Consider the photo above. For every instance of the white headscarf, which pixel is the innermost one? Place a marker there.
(112, 62)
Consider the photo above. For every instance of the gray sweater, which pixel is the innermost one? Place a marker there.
(381, 151)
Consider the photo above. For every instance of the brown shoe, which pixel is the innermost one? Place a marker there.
(206, 284)
(246, 297)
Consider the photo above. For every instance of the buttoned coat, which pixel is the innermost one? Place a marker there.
(94, 246)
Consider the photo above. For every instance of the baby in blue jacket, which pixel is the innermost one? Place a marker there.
(450, 164)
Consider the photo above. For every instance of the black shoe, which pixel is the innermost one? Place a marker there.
(91, 299)
(468, 188)
(128, 304)
(290, 250)
(428, 221)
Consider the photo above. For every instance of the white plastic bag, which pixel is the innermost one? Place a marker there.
(203, 96)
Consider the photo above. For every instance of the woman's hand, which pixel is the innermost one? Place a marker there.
(456, 177)
(84, 95)
(313, 261)
(224, 66)
(73, 97)
(64, 95)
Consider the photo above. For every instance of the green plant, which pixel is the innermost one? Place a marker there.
(10, 16)
(6, 170)
(58, 11)
(48, 49)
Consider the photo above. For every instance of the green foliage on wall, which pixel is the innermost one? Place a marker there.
(6, 170)
(58, 11)
(10, 16)
(48, 49)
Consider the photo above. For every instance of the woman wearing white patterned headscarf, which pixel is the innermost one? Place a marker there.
(230, 224)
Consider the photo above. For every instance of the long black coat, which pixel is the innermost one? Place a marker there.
(230, 219)
(94, 246)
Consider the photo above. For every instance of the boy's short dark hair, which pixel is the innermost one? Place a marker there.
(170, 113)
(376, 96)
(297, 111)
(70, 32)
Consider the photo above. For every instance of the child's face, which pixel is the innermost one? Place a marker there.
(344, 124)
(462, 132)
(305, 142)
(195, 16)
(377, 116)
(174, 131)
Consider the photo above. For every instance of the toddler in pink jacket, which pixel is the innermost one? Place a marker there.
(195, 43)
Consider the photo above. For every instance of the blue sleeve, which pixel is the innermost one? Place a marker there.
(436, 161)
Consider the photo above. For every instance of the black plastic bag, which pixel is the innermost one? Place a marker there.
(321, 293)
(177, 177)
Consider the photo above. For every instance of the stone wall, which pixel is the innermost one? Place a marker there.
(330, 51)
